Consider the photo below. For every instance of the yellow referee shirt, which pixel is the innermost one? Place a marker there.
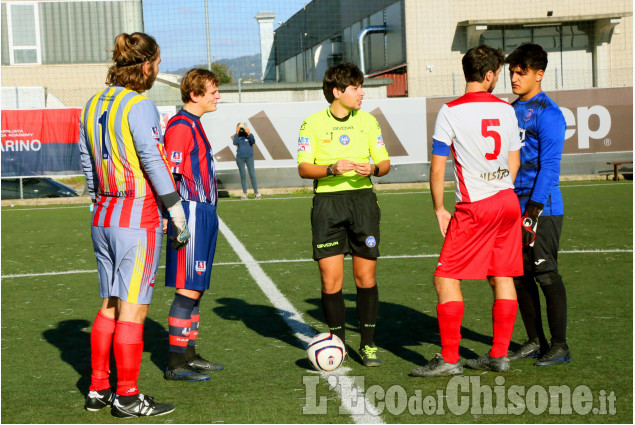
(325, 139)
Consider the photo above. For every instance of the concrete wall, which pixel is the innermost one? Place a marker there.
(435, 38)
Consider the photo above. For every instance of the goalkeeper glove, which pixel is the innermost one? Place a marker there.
(530, 222)
(179, 225)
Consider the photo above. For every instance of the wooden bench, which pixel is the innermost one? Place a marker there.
(616, 165)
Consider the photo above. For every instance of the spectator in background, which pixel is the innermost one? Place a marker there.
(244, 141)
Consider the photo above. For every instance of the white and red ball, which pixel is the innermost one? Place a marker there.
(326, 352)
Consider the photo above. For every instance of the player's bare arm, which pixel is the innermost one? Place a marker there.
(437, 186)
(514, 163)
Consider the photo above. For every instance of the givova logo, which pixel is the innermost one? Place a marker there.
(327, 245)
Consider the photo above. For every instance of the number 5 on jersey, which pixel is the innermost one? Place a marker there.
(486, 132)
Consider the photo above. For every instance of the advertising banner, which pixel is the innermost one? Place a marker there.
(276, 126)
(598, 120)
(38, 142)
(44, 141)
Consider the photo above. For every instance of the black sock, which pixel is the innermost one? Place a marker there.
(176, 359)
(335, 313)
(179, 322)
(367, 306)
(529, 306)
(556, 299)
(190, 352)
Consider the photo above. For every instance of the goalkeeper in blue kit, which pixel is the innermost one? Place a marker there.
(542, 128)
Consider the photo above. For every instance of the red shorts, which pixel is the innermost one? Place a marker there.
(483, 239)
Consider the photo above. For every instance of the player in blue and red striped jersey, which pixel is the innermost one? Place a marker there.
(129, 181)
(189, 270)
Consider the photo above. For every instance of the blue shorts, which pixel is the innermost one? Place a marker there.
(127, 262)
(191, 267)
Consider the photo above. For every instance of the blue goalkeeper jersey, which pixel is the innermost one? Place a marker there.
(542, 127)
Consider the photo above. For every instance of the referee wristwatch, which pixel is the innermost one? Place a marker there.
(329, 170)
(376, 170)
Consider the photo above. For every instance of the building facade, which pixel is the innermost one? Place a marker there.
(419, 43)
(48, 45)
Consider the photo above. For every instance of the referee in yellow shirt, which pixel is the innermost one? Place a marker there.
(334, 148)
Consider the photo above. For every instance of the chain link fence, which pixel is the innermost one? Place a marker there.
(56, 54)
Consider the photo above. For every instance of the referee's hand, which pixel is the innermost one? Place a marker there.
(343, 166)
(364, 169)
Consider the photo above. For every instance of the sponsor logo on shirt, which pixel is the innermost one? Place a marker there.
(304, 144)
(371, 242)
(380, 141)
(530, 112)
(499, 174)
(155, 133)
(344, 139)
(326, 141)
(177, 157)
(200, 267)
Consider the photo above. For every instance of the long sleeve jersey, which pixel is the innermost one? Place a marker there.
(542, 127)
(122, 156)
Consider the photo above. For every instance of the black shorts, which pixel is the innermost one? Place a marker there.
(345, 222)
(543, 256)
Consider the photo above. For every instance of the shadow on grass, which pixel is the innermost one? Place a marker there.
(267, 321)
(400, 329)
(72, 338)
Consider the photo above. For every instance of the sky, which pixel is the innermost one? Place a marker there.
(179, 28)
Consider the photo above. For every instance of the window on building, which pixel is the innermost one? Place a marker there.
(568, 47)
(24, 33)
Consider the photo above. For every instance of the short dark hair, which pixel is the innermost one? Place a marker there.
(341, 76)
(528, 56)
(195, 81)
(478, 61)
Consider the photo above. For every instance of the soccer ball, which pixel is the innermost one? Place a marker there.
(326, 352)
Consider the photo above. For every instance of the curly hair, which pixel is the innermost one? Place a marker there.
(130, 53)
(528, 56)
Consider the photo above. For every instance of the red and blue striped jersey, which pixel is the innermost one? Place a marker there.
(190, 155)
(123, 159)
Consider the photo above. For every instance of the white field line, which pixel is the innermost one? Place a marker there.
(348, 391)
(273, 198)
(308, 260)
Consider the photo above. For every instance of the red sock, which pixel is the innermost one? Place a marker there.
(128, 347)
(450, 316)
(503, 318)
(100, 343)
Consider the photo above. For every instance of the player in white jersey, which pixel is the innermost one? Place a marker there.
(482, 238)
(479, 145)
